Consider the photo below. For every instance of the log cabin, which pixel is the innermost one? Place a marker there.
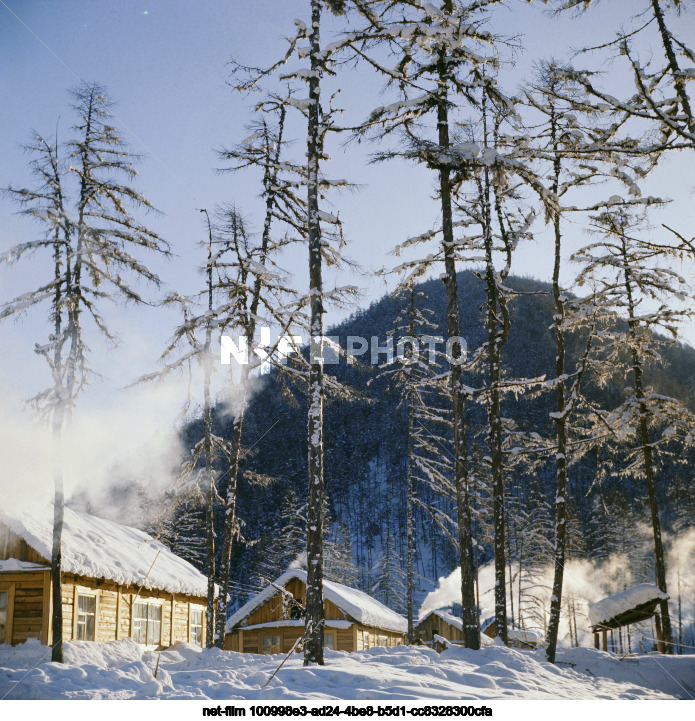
(439, 623)
(272, 621)
(117, 582)
(516, 637)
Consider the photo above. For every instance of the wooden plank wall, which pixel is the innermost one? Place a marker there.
(26, 591)
(12, 546)
(252, 639)
(272, 609)
(369, 637)
(108, 601)
(31, 607)
(355, 638)
(433, 623)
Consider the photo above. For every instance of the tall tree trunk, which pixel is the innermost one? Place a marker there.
(648, 460)
(410, 528)
(469, 611)
(561, 430)
(511, 577)
(73, 292)
(495, 441)
(57, 430)
(659, 556)
(56, 553)
(676, 72)
(495, 341)
(209, 476)
(230, 512)
(680, 608)
(313, 646)
(270, 176)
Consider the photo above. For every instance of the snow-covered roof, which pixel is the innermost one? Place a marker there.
(489, 621)
(98, 548)
(13, 564)
(356, 604)
(524, 635)
(445, 616)
(292, 623)
(613, 606)
(517, 634)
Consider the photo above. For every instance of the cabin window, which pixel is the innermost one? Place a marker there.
(383, 641)
(147, 623)
(195, 634)
(86, 617)
(4, 597)
(271, 644)
(329, 641)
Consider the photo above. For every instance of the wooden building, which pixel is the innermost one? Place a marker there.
(272, 621)
(117, 582)
(516, 637)
(439, 623)
(633, 605)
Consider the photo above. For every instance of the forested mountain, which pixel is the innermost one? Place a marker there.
(366, 442)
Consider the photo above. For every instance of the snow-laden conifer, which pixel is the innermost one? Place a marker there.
(83, 201)
(319, 121)
(630, 279)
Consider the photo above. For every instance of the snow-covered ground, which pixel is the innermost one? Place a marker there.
(121, 670)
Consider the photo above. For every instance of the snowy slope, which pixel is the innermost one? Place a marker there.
(120, 670)
(98, 548)
(357, 604)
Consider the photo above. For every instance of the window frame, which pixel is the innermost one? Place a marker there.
(330, 645)
(134, 621)
(8, 588)
(274, 644)
(195, 608)
(91, 593)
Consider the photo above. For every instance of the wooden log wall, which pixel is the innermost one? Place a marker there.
(354, 638)
(28, 594)
(112, 597)
(29, 607)
(433, 623)
(274, 609)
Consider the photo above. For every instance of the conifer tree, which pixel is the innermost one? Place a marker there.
(319, 121)
(260, 289)
(628, 275)
(388, 584)
(83, 202)
(661, 94)
(434, 47)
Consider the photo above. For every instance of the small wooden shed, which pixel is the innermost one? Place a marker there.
(439, 623)
(272, 620)
(516, 637)
(117, 582)
(632, 605)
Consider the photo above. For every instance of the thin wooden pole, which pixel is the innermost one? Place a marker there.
(659, 635)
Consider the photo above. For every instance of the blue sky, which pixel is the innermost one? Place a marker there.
(165, 62)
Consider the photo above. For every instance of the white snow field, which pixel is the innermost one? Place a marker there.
(121, 670)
